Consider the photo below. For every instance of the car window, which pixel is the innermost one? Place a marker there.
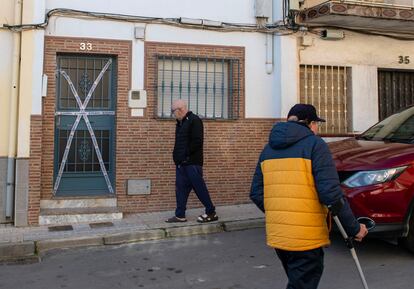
(405, 131)
(398, 127)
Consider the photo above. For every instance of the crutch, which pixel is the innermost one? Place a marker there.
(369, 223)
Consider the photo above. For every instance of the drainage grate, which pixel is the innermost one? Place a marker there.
(60, 228)
(101, 225)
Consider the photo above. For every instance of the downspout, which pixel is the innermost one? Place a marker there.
(269, 53)
(14, 94)
(269, 43)
(264, 16)
(277, 45)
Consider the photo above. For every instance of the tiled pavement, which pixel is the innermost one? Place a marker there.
(235, 217)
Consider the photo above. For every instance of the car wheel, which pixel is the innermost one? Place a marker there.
(408, 241)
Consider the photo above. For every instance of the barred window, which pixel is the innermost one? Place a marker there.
(328, 88)
(210, 86)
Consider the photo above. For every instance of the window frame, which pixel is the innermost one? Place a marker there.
(234, 83)
(345, 98)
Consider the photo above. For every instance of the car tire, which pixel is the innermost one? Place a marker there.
(408, 242)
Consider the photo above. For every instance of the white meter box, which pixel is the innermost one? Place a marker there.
(137, 98)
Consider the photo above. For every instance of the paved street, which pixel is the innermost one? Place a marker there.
(230, 260)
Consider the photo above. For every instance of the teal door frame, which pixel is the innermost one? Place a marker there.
(84, 156)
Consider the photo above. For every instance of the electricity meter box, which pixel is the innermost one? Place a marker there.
(137, 98)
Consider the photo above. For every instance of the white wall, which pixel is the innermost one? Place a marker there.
(6, 52)
(364, 54)
(289, 61)
(32, 55)
(267, 95)
(258, 84)
(6, 40)
(68, 27)
(31, 71)
(7, 12)
(358, 49)
(241, 11)
(31, 67)
(364, 97)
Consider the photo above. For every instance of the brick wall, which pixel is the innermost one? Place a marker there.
(231, 146)
(144, 144)
(35, 169)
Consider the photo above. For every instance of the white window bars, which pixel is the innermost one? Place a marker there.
(328, 88)
(82, 113)
(211, 86)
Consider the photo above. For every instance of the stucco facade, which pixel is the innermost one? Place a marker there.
(268, 81)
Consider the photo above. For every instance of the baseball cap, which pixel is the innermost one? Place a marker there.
(305, 112)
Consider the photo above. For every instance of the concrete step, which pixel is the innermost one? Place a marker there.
(65, 219)
(78, 203)
(78, 210)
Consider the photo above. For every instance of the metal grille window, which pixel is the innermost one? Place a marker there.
(82, 158)
(210, 86)
(395, 90)
(83, 73)
(328, 89)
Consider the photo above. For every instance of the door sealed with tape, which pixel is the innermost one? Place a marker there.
(85, 125)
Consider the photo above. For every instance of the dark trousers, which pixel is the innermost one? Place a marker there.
(187, 178)
(303, 268)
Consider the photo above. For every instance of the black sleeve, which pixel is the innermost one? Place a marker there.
(196, 136)
(328, 186)
(256, 190)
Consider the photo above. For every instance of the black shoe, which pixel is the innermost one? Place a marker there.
(206, 218)
(176, 220)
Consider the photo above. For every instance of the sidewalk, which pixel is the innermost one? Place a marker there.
(31, 242)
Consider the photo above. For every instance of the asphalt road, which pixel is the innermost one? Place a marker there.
(233, 260)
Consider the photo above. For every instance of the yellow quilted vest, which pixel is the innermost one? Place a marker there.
(295, 219)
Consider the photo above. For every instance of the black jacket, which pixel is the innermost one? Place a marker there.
(188, 148)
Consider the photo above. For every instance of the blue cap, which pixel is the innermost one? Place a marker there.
(305, 112)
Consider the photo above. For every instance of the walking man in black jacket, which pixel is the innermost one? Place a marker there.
(188, 158)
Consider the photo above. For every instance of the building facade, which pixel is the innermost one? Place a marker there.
(87, 88)
(362, 49)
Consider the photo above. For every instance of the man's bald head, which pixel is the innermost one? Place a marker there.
(179, 108)
(179, 103)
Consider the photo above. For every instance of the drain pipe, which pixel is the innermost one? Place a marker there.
(269, 53)
(14, 94)
(269, 41)
(264, 15)
(277, 15)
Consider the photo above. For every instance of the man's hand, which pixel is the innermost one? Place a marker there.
(362, 233)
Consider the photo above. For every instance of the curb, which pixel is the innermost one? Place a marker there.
(17, 251)
(138, 236)
(194, 230)
(46, 245)
(30, 251)
(244, 225)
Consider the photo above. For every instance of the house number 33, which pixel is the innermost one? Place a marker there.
(403, 59)
(85, 46)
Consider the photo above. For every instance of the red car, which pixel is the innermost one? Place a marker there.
(376, 170)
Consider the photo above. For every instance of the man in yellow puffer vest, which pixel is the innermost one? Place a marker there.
(294, 183)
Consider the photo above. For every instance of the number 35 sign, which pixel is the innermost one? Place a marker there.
(402, 59)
